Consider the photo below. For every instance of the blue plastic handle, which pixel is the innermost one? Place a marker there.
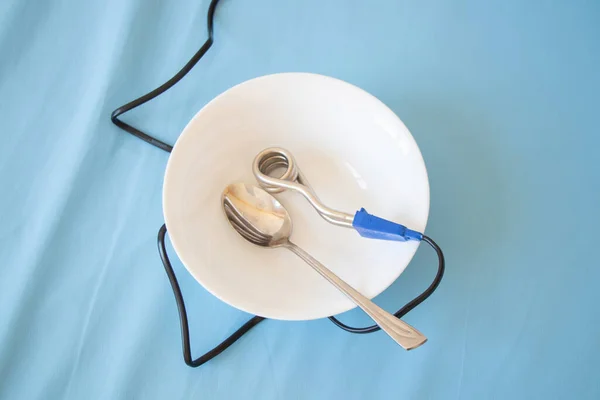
(370, 226)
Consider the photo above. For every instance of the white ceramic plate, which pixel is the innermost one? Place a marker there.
(354, 151)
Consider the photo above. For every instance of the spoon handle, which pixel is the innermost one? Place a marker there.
(404, 334)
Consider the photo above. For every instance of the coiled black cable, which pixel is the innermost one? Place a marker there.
(183, 319)
(185, 332)
(164, 87)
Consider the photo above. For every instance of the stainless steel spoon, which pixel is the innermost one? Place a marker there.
(258, 217)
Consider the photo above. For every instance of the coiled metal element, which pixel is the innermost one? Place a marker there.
(273, 158)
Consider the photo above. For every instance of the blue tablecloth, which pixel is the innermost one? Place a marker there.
(502, 98)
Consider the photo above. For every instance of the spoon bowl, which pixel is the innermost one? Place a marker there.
(256, 215)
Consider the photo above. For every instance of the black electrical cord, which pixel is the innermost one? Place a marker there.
(185, 332)
(183, 319)
(164, 87)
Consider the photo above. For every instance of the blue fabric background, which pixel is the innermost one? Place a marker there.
(502, 98)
